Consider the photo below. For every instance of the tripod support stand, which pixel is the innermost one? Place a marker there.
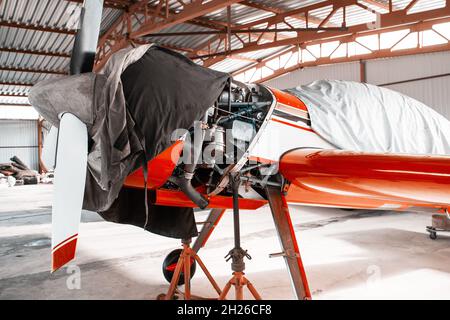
(237, 254)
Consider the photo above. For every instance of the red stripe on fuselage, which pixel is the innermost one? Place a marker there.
(292, 125)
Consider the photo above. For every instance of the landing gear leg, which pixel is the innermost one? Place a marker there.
(288, 241)
(208, 227)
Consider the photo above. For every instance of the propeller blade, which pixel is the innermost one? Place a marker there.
(70, 179)
(85, 44)
(71, 158)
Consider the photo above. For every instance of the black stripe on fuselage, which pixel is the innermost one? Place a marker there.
(291, 117)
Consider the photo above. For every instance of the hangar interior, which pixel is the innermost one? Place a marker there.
(402, 45)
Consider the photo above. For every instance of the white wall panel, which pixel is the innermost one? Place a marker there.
(19, 138)
(342, 71)
(408, 67)
(433, 92)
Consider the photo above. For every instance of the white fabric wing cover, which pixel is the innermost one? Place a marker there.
(363, 117)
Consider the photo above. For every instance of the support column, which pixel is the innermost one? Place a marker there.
(39, 133)
(362, 71)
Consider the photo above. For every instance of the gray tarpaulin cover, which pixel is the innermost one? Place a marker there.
(130, 109)
(363, 117)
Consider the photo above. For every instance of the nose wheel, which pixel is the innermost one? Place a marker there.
(178, 268)
(170, 263)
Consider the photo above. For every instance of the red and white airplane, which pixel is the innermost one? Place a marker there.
(309, 171)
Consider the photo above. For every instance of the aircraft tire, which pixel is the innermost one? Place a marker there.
(169, 263)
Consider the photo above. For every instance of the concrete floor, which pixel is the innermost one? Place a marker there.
(348, 255)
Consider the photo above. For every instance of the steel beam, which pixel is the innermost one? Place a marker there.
(193, 10)
(127, 6)
(159, 17)
(18, 25)
(120, 34)
(190, 50)
(380, 5)
(113, 4)
(386, 20)
(279, 18)
(8, 104)
(34, 52)
(168, 46)
(243, 31)
(115, 34)
(11, 95)
(410, 5)
(276, 10)
(43, 71)
(261, 6)
(20, 84)
(375, 54)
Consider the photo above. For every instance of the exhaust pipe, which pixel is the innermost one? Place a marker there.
(187, 188)
(185, 181)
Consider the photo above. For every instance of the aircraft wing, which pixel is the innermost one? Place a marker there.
(403, 178)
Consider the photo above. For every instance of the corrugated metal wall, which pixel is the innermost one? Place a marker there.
(433, 92)
(19, 138)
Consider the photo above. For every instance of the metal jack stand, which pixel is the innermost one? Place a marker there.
(237, 254)
(184, 263)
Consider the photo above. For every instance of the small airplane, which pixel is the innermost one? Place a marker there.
(303, 168)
